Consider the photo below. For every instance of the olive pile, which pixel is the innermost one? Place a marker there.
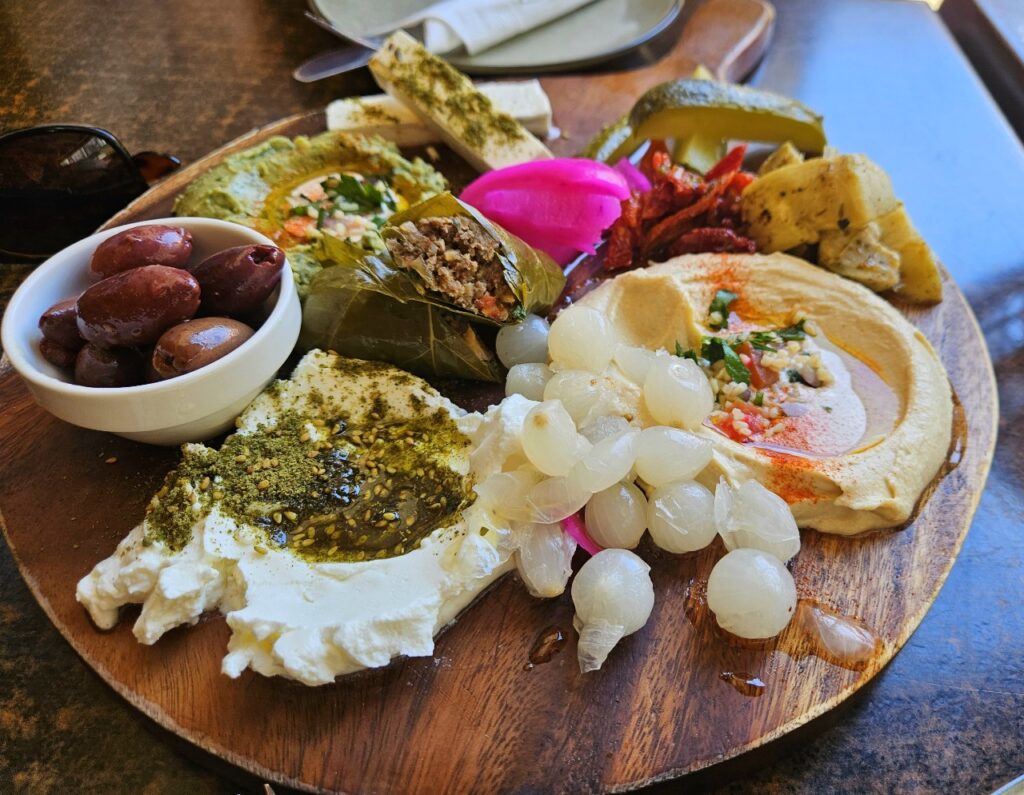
(151, 315)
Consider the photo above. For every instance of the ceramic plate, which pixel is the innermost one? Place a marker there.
(596, 32)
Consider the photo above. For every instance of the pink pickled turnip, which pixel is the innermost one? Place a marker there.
(635, 178)
(559, 206)
(548, 220)
(569, 172)
(574, 527)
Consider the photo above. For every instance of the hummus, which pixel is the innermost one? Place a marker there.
(853, 444)
(277, 189)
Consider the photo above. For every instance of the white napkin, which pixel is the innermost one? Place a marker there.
(479, 24)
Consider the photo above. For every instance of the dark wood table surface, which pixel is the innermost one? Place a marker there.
(186, 76)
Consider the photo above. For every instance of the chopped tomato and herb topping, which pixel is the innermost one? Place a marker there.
(343, 205)
(758, 377)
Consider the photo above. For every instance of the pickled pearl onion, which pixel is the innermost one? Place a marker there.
(574, 527)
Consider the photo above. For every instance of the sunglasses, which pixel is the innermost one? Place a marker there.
(59, 182)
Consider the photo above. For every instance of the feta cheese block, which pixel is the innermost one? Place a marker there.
(335, 529)
(446, 100)
(525, 101)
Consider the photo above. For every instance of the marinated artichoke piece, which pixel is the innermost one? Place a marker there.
(785, 155)
(796, 203)
(860, 256)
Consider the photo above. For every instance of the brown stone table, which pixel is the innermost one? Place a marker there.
(186, 76)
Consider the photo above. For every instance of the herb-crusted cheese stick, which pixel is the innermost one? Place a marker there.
(525, 101)
(448, 101)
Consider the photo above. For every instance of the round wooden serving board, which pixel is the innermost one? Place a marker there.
(475, 717)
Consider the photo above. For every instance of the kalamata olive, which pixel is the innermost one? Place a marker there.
(96, 366)
(189, 346)
(135, 307)
(57, 354)
(155, 244)
(149, 375)
(237, 280)
(59, 324)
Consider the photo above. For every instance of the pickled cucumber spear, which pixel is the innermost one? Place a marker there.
(701, 114)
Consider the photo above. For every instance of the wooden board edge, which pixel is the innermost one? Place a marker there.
(177, 181)
(981, 461)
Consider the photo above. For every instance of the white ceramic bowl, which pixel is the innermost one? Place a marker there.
(189, 408)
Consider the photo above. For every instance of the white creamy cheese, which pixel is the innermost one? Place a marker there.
(309, 621)
(384, 115)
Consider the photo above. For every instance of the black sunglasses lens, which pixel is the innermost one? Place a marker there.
(57, 186)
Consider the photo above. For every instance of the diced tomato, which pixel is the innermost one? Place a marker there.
(760, 377)
(488, 307)
(754, 420)
(724, 424)
(299, 225)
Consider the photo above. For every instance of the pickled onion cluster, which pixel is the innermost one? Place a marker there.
(606, 447)
(560, 206)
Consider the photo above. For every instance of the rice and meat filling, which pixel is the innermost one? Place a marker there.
(457, 259)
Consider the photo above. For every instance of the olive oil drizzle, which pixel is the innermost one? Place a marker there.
(324, 490)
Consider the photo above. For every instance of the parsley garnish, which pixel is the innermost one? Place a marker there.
(684, 353)
(362, 196)
(759, 399)
(794, 332)
(715, 348)
(767, 340)
(720, 304)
